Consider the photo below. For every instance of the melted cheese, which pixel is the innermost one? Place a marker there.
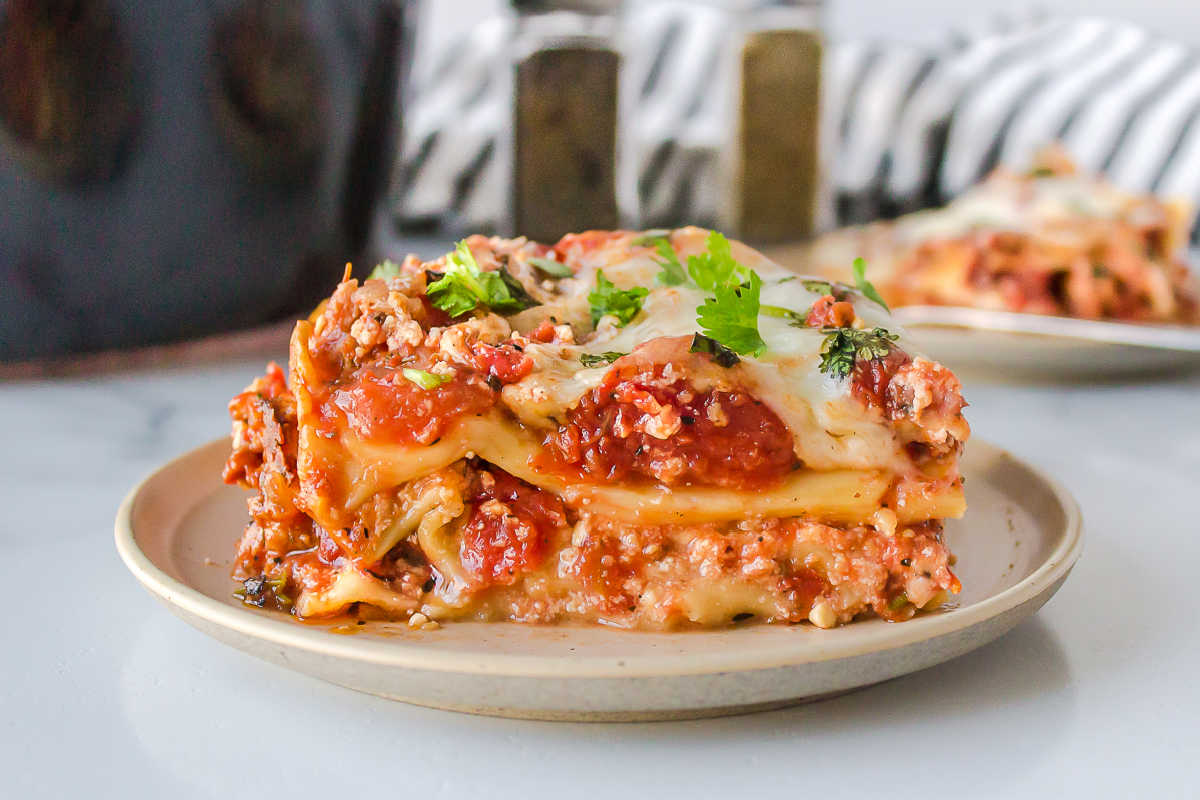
(830, 429)
(1015, 203)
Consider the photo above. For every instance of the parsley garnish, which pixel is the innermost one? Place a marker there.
(606, 298)
(596, 359)
(731, 316)
(717, 267)
(385, 270)
(426, 380)
(555, 269)
(673, 273)
(793, 317)
(463, 286)
(720, 353)
(820, 287)
(844, 346)
(864, 285)
(516, 292)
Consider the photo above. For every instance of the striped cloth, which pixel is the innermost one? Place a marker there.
(904, 127)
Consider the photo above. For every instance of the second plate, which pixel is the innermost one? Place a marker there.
(1010, 343)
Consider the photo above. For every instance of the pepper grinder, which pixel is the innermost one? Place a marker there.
(564, 117)
(776, 186)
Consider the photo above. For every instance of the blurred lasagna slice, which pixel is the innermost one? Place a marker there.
(1050, 241)
(648, 430)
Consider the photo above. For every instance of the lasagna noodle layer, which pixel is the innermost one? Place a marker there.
(665, 576)
(841, 496)
(353, 471)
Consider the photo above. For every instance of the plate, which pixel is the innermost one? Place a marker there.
(1009, 342)
(176, 531)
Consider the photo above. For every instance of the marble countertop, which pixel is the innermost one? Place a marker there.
(105, 693)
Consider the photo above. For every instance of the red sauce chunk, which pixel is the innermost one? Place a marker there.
(664, 430)
(380, 404)
(802, 587)
(576, 245)
(829, 312)
(508, 532)
(506, 363)
(601, 570)
(870, 379)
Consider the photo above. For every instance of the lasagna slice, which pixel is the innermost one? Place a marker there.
(647, 430)
(1050, 241)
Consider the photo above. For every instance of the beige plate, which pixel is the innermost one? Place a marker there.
(177, 530)
(1005, 342)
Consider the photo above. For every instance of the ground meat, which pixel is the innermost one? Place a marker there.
(509, 527)
(644, 424)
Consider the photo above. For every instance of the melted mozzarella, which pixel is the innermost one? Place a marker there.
(1013, 203)
(829, 428)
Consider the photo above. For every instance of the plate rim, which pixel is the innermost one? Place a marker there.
(1174, 338)
(184, 600)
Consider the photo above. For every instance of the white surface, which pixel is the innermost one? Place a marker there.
(105, 694)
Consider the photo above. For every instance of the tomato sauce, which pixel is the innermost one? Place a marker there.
(636, 425)
(544, 332)
(600, 569)
(574, 245)
(870, 379)
(509, 530)
(829, 312)
(505, 363)
(803, 586)
(314, 570)
(380, 404)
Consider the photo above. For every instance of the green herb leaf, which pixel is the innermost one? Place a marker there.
(606, 298)
(673, 273)
(820, 287)
(731, 316)
(793, 317)
(717, 267)
(720, 353)
(597, 359)
(426, 380)
(864, 285)
(843, 347)
(555, 269)
(463, 286)
(385, 270)
(517, 296)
